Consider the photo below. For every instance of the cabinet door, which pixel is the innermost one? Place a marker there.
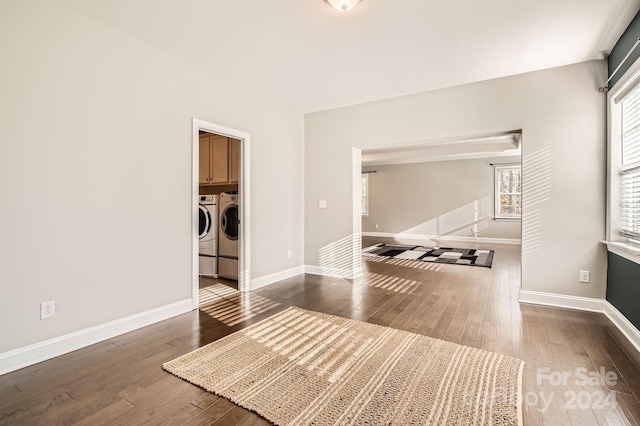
(205, 160)
(219, 160)
(234, 160)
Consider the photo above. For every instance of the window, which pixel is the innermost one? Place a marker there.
(624, 164)
(630, 166)
(364, 194)
(508, 192)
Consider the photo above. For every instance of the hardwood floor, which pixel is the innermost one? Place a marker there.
(120, 381)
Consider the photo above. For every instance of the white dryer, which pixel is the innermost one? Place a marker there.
(208, 229)
(228, 235)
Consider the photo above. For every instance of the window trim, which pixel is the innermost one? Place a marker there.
(496, 192)
(615, 241)
(365, 213)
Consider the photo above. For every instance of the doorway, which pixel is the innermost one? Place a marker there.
(220, 177)
(463, 194)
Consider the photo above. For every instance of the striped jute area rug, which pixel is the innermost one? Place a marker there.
(301, 367)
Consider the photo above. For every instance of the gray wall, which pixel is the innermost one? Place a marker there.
(623, 290)
(622, 47)
(95, 172)
(437, 198)
(562, 117)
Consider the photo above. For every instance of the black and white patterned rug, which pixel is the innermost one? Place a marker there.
(457, 256)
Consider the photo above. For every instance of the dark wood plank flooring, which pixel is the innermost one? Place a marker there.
(120, 381)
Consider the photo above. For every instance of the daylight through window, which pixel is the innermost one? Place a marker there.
(508, 192)
(630, 167)
(364, 194)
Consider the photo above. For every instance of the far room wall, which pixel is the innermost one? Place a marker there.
(437, 198)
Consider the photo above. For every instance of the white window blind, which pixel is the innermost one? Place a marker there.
(630, 170)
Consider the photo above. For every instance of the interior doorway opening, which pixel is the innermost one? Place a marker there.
(461, 193)
(220, 206)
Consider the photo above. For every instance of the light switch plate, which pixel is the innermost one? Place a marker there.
(322, 204)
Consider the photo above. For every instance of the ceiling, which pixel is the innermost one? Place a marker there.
(306, 55)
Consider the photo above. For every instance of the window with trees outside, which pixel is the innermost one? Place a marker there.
(508, 192)
(364, 194)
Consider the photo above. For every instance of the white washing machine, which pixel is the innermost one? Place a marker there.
(208, 228)
(228, 235)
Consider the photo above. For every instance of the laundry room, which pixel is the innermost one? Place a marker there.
(219, 172)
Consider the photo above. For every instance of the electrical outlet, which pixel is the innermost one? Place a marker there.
(289, 254)
(584, 276)
(376, 226)
(322, 204)
(47, 309)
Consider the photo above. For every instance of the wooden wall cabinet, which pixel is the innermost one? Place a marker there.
(219, 160)
(234, 160)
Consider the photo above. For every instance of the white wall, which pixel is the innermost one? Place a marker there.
(450, 198)
(95, 172)
(563, 122)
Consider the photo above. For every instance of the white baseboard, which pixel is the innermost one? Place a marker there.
(562, 301)
(266, 280)
(624, 325)
(486, 240)
(313, 270)
(42, 351)
(379, 234)
(585, 304)
(332, 272)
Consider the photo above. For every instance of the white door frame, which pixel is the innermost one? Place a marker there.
(244, 248)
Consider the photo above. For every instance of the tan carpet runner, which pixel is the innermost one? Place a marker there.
(301, 367)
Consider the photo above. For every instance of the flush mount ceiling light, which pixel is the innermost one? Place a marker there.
(343, 5)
